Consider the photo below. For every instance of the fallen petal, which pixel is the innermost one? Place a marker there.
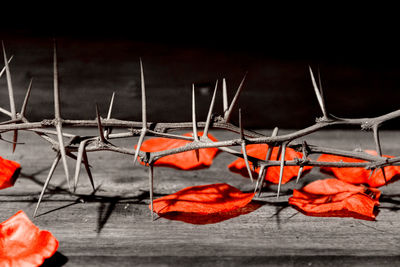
(260, 151)
(212, 199)
(335, 198)
(9, 171)
(182, 161)
(24, 244)
(360, 175)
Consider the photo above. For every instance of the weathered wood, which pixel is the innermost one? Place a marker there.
(111, 227)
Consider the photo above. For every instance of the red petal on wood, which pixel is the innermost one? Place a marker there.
(24, 244)
(360, 175)
(9, 171)
(205, 204)
(260, 151)
(335, 198)
(182, 161)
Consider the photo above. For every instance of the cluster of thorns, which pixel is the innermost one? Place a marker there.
(76, 147)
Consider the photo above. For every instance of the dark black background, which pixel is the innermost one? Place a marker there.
(356, 47)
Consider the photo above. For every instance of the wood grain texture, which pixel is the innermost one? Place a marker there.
(113, 227)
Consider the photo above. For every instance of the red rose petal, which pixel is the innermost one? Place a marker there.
(9, 171)
(23, 244)
(360, 175)
(182, 161)
(260, 151)
(335, 198)
(205, 204)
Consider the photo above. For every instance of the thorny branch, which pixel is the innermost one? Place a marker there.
(83, 144)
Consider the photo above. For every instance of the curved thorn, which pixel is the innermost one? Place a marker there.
(246, 160)
(46, 183)
(99, 126)
(370, 174)
(318, 94)
(228, 113)
(194, 120)
(304, 150)
(224, 96)
(210, 110)
(151, 185)
(281, 168)
(25, 103)
(142, 85)
(4, 68)
(139, 144)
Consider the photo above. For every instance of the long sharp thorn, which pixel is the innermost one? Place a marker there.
(108, 129)
(57, 112)
(4, 68)
(63, 153)
(99, 126)
(208, 121)
(304, 150)
(5, 112)
(281, 168)
(224, 96)
(142, 85)
(11, 95)
(321, 91)
(246, 160)
(228, 113)
(52, 168)
(139, 144)
(299, 173)
(151, 185)
(25, 103)
(318, 94)
(194, 120)
(15, 139)
(370, 173)
(259, 178)
(240, 124)
(87, 167)
(79, 162)
(261, 182)
(379, 148)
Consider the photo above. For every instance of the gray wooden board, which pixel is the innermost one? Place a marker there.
(114, 226)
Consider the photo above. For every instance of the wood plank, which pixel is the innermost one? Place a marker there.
(113, 226)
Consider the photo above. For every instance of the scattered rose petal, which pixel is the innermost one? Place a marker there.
(205, 204)
(336, 198)
(23, 244)
(9, 171)
(182, 161)
(360, 175)
(260, 151)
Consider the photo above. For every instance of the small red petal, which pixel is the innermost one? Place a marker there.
(9, 171)
(24, 244)
(260, 151)
(203, 199)
(360, 175)
(182, 161)
(335, 198)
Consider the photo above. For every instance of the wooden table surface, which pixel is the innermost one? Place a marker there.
(113, 227)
